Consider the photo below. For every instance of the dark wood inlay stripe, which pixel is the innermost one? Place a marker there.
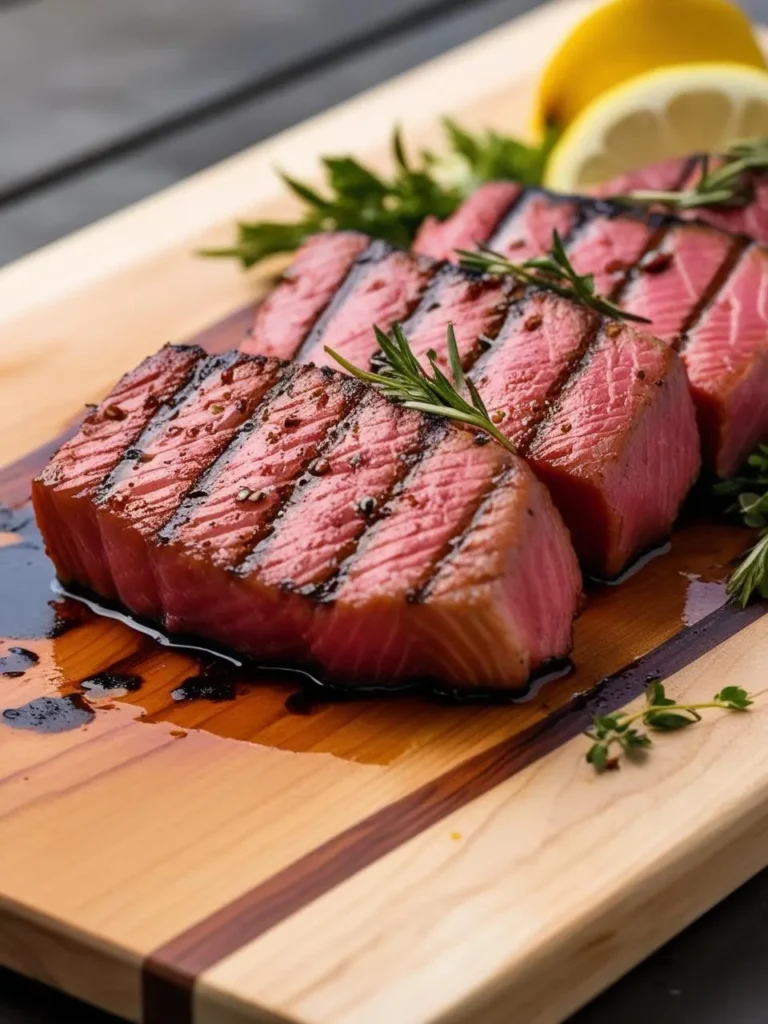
(171, 970)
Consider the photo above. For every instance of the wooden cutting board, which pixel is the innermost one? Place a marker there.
(250, 855)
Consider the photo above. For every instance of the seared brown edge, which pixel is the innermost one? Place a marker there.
(170, 971)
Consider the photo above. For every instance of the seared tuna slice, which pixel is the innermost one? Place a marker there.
(66, 494)
(522, 349)
(164, 463)
(685, 278)
(381, 284)
(286, 316)
(413, 562)
(750, 220)
(480, 214)
(315, 523)
(726, 357)
(666, 176)
(621, 436)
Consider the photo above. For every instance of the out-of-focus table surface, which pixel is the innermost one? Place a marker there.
(103, 104)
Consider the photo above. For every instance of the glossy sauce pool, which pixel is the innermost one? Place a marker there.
(63, 662)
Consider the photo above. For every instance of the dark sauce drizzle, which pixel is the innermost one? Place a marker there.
(27, 610)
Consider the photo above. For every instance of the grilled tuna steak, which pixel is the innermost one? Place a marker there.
(602, 413)
(295, 514)
(703, 290)
(675, 175)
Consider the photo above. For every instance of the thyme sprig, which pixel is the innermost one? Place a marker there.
(403, 379)
(355, 198)
(554, 271)
(728, 184)
(615, 735)
(751, 504)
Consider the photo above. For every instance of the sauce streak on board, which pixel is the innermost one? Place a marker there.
(93, 663)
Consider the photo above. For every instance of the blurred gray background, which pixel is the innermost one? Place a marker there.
(104, 102)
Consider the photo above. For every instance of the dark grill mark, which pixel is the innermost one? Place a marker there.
(472, 517)
(206, 481)
(546, 403)
(727, 268)
(432, 432)
(355, 395)
(571, 373)
(506, 217)
(203, 368)
(375, 253)
(655, 241)
(687, 167)
(431, 297)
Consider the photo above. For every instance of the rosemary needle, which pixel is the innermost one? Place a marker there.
(403, 379)
(554, 271)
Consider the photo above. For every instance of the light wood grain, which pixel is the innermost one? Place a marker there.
(116, 838)
(75, 315)
(524, 904)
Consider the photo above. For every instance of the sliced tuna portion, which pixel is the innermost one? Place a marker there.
(157, 472)
(619, 448)
(527, 230)
(239, 498)
(726, 358)
(522, 348)
(666, 176)
(413, 562)
(475, 306)
(480, 213)
(538, 348)
(678, 275)
(287, 315)
(750, 220)
(608, 247)
(380, 285)
(66, 493)
(269, 531)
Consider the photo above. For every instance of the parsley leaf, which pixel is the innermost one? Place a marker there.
(354, 198)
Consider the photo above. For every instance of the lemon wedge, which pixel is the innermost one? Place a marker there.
(625, 38)
(694, 108)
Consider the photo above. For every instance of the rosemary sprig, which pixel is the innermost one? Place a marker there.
(403, 379)
(553, 271)
(614, 735)
(726, 185)
(751, 494)
(392, 208)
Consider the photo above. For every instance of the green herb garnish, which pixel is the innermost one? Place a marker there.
(615, 735)
(553, 271)
(751, 493)
(727, 185)
(403, 379)
(392, 208)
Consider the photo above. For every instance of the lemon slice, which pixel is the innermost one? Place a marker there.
(694, 108)
(624, 38)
